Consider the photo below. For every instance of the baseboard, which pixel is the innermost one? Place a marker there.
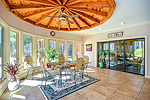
(92, 65)
(3, 86)
(147, 76)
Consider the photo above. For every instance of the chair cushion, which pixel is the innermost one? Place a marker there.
(34, 67)
(53, 72)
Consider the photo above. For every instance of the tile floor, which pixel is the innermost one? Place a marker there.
(114, 85)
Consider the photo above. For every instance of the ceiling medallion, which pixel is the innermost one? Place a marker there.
(62, 15)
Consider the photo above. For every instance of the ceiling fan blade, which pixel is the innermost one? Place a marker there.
(59, 11)
(69, 21)
(58, 22)
(71, 16)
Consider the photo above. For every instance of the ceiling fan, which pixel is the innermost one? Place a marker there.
(63, 16)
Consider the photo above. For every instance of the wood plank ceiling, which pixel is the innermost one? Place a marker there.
(91, 12)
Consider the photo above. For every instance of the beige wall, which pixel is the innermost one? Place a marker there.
(14, 21)
(128, 32)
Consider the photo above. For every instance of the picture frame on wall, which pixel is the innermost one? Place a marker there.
(88, 47)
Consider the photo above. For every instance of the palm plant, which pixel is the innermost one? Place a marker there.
(51, 54)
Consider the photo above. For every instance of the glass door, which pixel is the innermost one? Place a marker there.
(134, 56)
(40, 52)
(103, 54)
(116, 55)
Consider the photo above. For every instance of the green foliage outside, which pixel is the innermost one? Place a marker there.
(138, 52)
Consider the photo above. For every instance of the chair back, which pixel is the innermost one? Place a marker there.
(79, 64)
(86, 59)
(62, 58)
(42, 65)
(29, 61)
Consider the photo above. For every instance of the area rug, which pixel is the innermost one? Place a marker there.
(54, 90)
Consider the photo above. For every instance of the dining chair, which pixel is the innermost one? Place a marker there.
(86, 59)
(29, 63)
(79, 69)
(47, 73)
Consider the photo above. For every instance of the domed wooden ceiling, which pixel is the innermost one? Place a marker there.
(90, 13)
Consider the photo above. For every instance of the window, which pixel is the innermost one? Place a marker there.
(62, 47)
(78, 50)
(40, 52)
(1, 52)
(70, 51)
(52, 44)
(27, 48)
(13, 49)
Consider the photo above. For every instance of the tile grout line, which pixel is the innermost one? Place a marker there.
(140, 90)
(117, 89)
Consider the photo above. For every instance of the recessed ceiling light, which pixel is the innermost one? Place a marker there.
(100, 28)
(122, 23)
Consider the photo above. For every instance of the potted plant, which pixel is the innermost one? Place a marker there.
(104, 53)
(12, 69)
(50, 55)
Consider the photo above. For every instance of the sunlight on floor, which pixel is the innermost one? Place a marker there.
(31, 83)
(89, 70)
(18, 96)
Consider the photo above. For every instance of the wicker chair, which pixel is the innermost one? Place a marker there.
(29, 62)
(46, 73)
(86, 59)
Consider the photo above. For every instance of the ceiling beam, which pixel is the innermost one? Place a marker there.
(83, 21)
(64, 2)
(52, 19)
(22, 7)
(44, 2)
(89, 11)
(71, 2)
(86, 16)
(91, 4)
(38, 12)
(54, 2)
(7, 5)
(44, 16)
(59, 2)
(74, 21)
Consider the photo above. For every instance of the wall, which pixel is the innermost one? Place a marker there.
(128, 32)
(14, 21)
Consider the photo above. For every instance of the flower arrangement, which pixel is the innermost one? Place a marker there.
(12, 68)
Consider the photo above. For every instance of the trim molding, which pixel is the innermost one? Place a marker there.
(3, 86)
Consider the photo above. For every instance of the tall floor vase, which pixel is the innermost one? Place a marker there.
(13, 83)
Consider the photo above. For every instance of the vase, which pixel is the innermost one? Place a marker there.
(101, 64)
(13, 83)
(48, 65)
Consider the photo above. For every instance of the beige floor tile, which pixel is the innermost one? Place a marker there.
(112, 85)
(147, 82)
(93, 95)
(83, 90)
(80, 98)
(104, 90)
(143, 97)
(128, 92)
(119, 96)
(71, 96)
(131, 86)
(145, 90)
(92, 86)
